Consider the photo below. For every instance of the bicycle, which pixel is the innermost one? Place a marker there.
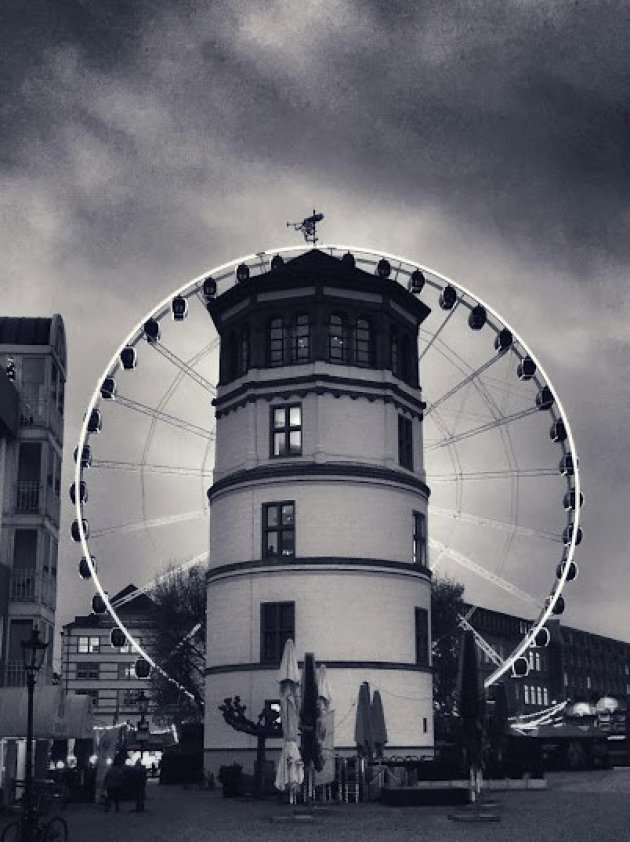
(42, 829)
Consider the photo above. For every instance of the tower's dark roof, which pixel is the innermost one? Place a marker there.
(24, 330)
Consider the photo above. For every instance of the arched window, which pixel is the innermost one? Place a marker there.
(337, 339)
(363, 346)
(275, 342)
(394, 355)
(301, 339)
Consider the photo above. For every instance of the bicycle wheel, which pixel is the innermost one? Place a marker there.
(55, 830)
(11, 833)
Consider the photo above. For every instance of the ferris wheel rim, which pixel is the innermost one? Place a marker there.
(189, 288)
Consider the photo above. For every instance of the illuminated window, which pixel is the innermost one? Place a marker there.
(337, 339)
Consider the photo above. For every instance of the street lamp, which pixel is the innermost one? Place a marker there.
(143, 705)
(33, 651)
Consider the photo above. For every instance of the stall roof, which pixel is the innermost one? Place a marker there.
(56, 715)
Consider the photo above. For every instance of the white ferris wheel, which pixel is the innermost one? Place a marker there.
(499, 453)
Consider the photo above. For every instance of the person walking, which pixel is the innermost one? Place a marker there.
(140, 784)
(113, 784)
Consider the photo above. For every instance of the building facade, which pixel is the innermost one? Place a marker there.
(576, 665)
(33, 359)
(92, 666)
(318, 509)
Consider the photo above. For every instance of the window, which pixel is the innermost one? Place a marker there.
(89, 645)
(419, 539)
(279, 529)
(405, 359)
(425, 725)
(393, 350)
(545, 696)
(88, 670)
(588, 682)
(125, 671)
(277, 625)
(405, 442)
(337, 339)
(128, 698)
(276, 342)
(422, 636)
(242, 364)
(363, 351)
(539, 695)
(25, 550)
(301, 340)
(286, 430)
(537, 660)
(526, 694)
(93, 694)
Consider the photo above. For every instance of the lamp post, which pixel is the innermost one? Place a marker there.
(33, 651)
(143, 705)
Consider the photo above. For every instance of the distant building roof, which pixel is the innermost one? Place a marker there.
(141, 604)
(16, 330)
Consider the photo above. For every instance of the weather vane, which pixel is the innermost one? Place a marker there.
(308, 226)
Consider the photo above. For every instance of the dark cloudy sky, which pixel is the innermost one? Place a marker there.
(144, 142)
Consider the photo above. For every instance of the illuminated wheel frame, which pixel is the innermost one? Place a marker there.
(452, 297)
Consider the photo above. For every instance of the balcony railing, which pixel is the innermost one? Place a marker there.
(33, 406)
(27, 496)
(25, 586)
(15, 675)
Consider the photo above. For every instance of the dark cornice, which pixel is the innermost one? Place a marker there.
(298, 469)
(318, 561)
(331, 665)
(253, 390)
(317, 268)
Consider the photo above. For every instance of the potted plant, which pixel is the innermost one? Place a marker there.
(231, 779)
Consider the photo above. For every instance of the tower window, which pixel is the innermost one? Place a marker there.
(276, 341)
(337, 339)
(394, 354)
(277, 625)
(278, 529)
(301, 344)
(242, 364)
(405, 442)
(422, 637)
(286, 430)
(420, 539)
(363, 350)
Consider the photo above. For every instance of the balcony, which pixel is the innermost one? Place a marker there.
(33, 406)
(15, 675)
(27, 497)
(25, 586)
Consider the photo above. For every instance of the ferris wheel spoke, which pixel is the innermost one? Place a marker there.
(491, 425)
(159, 415)
(147, 524)
(150, 468)
(489, 475)
(496, 580)
(173, 571)
(482, 643)
(474, 374)
(184, 367)
(437, 332)
(500, 525)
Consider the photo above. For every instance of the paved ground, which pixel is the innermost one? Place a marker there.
(578, 807)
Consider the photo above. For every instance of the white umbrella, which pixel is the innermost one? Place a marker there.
(325, 728)
(290, 771)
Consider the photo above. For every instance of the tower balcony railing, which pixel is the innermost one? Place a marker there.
(25, 586)
(28, 496)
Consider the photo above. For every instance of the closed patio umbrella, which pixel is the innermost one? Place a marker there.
(472, 710)
(325, 728)
(363, 736)
(379, 729)
(290, 771)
